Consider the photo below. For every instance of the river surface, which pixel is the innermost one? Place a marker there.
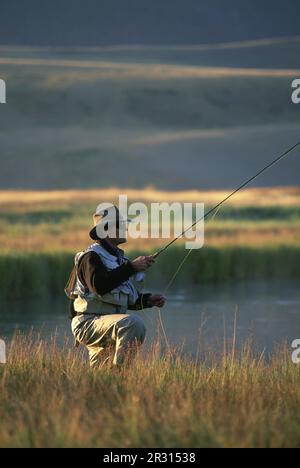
(268, 313)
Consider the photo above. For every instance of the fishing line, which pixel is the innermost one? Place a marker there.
(159, 317)
(163, 329)
(214, 211)
(185, 258)
(172, 281)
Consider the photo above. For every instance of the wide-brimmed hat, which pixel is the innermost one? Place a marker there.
(106, 218)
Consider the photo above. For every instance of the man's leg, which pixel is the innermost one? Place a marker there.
(129, 333)
(122, 331)
(100, 356)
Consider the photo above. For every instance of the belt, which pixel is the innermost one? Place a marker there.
(118, 310)
(98, 308)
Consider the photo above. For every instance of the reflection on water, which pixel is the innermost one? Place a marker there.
(268, 312)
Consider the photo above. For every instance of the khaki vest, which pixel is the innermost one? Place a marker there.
(114, 302)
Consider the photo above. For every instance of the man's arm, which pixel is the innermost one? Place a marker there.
(95, 276)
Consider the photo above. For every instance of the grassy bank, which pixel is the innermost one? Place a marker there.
(38, 275)
(255, 236)
(49, 398)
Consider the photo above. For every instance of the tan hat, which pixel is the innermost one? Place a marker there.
(105, 217)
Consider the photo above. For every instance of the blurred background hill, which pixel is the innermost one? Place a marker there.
(173, 118)
(173, 95)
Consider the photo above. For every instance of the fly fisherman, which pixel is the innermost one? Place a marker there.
(102, 289)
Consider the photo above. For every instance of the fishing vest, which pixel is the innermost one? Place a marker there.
(116, 301)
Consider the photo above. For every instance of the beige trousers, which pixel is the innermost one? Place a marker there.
(109, 337)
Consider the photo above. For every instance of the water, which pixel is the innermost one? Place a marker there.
(267, 312)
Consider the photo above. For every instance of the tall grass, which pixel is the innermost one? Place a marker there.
(33, 275)
(50, 398)
(213, 264)
(38, 275)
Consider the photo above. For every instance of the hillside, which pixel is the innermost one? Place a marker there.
(174, 118)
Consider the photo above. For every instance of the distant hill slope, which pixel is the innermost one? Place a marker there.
(102, 22)
(173, 118)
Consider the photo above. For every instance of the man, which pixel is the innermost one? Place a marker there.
(102, 289)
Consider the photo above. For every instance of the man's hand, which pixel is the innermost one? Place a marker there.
(156, 300)
(143, 263)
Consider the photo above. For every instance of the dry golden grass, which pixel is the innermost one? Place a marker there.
(70, 233)
(118, 70)
(278, 196)
(70, 241)
(50, 398)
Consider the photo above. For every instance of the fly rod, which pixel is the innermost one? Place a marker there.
(243, 185)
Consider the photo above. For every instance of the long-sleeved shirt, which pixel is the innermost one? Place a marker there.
(93, 274)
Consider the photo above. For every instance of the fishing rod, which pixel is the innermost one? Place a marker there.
(243, 185)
